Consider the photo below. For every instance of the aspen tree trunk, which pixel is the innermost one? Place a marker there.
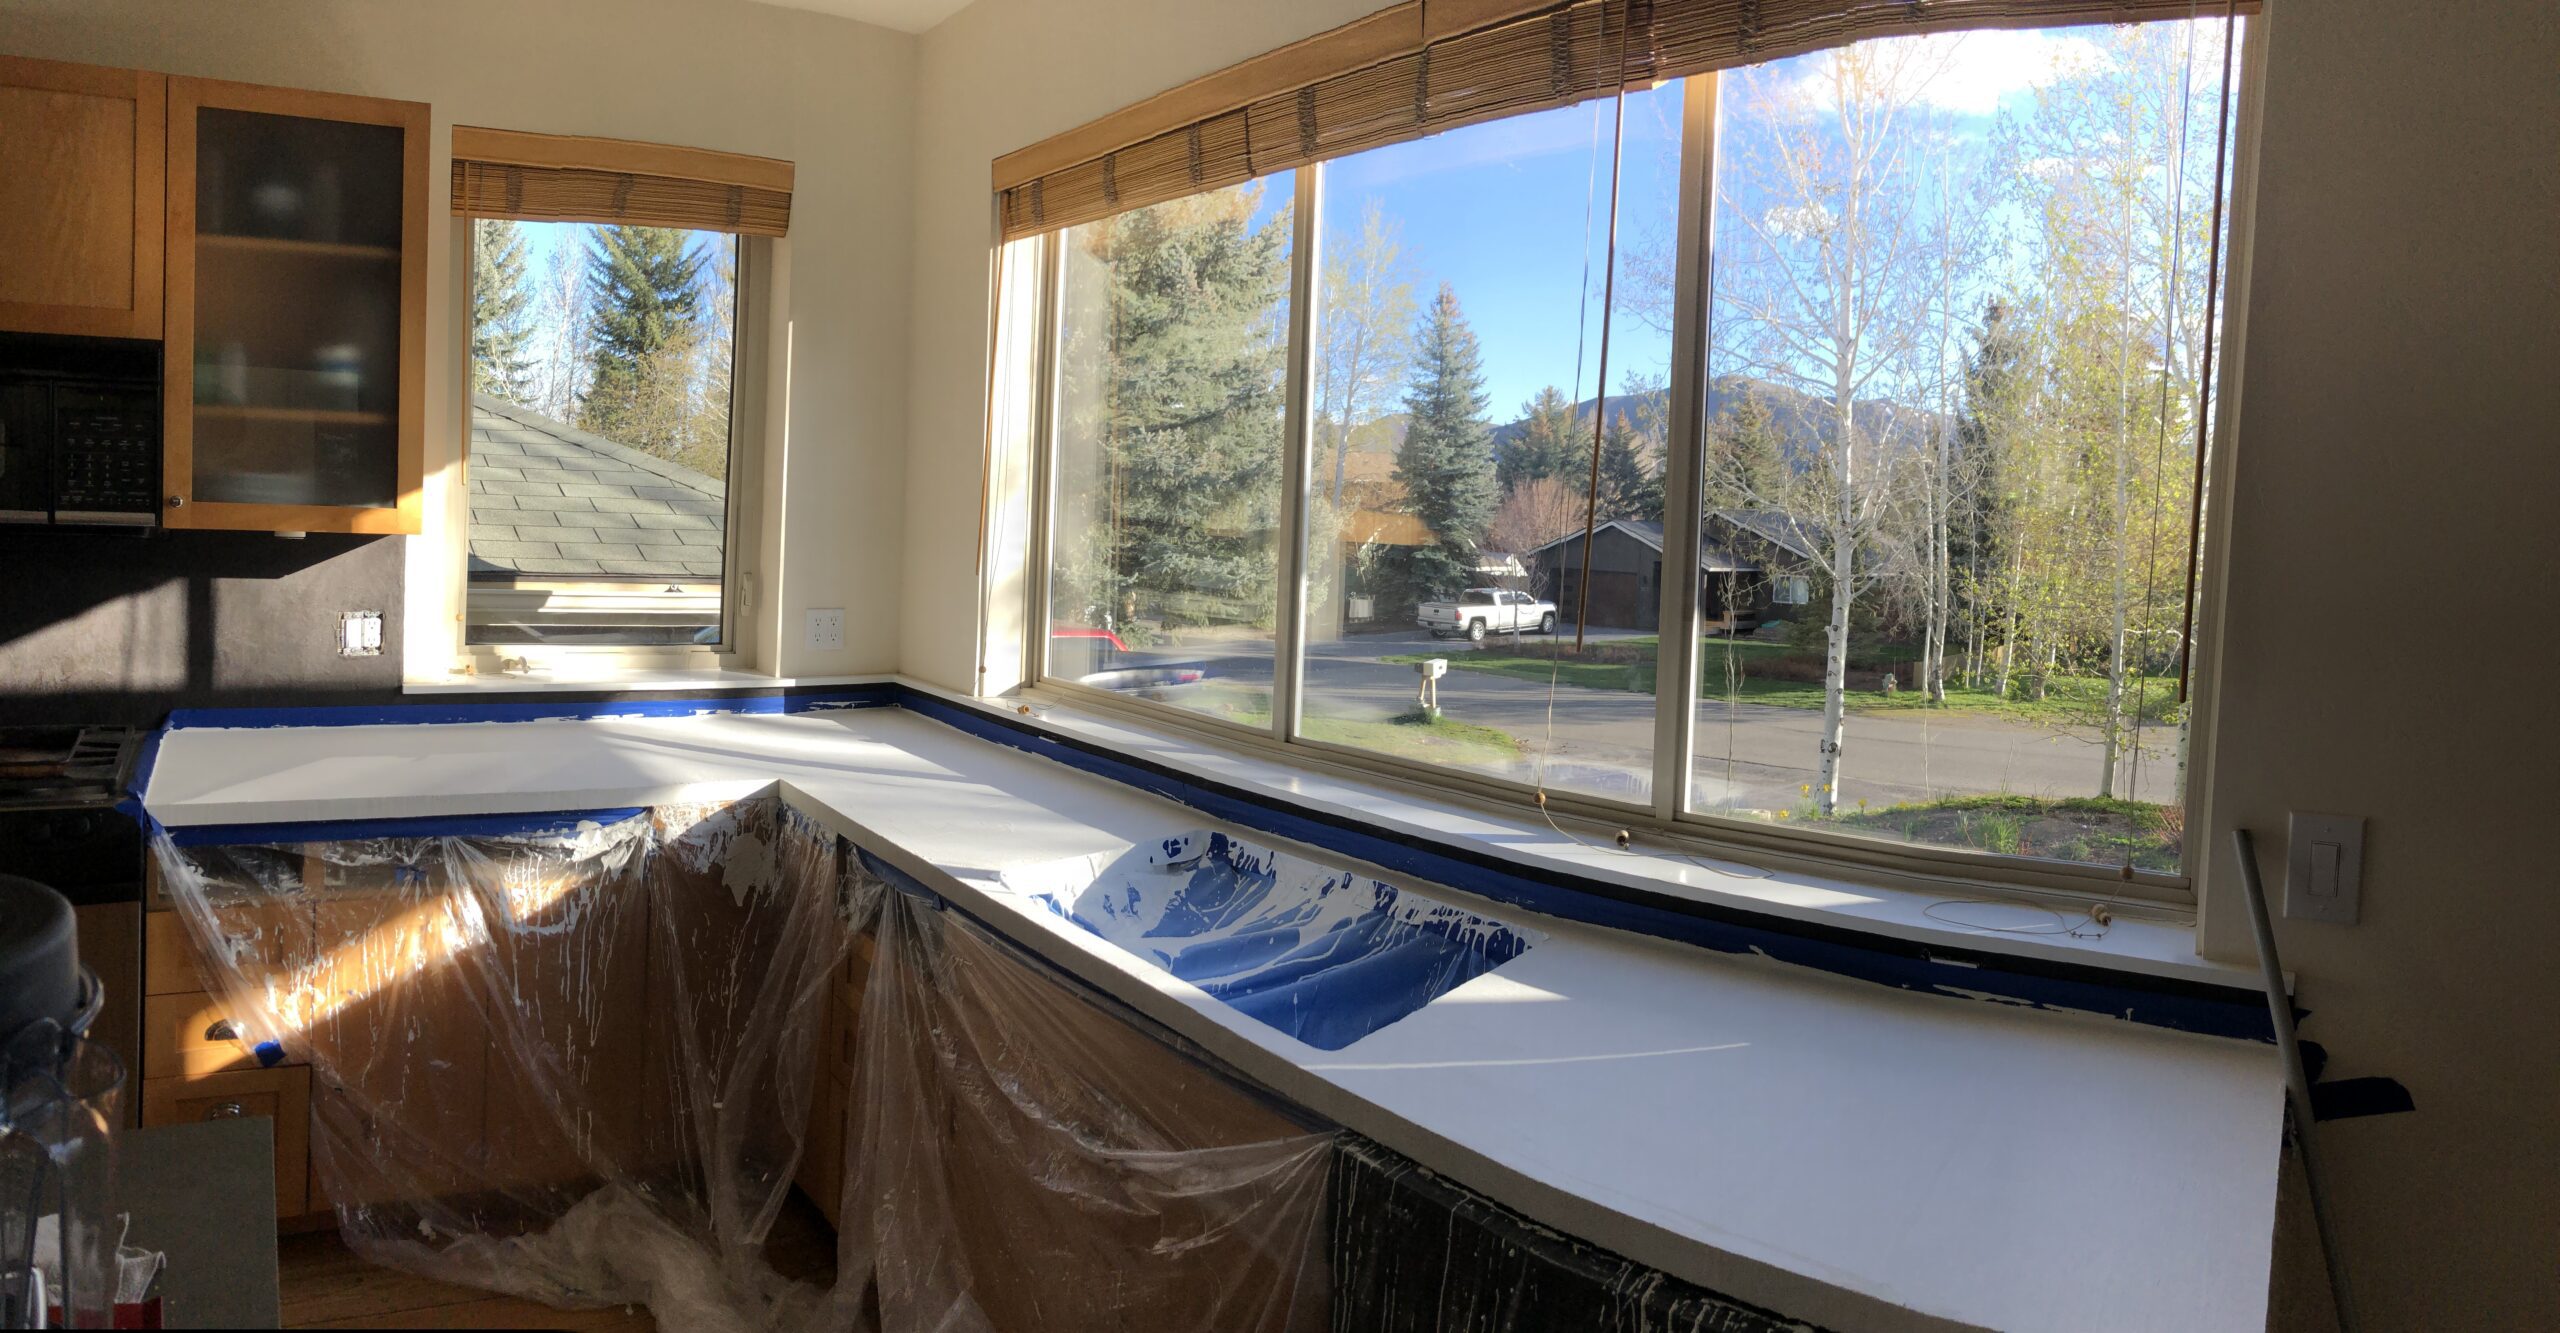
(1835, 662)
(2009, 631)
(2122, 520)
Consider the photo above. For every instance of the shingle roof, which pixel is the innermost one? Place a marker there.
(551, 501)
(1711, 557)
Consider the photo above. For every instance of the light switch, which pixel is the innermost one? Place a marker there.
(2324, 868)
(359, 634)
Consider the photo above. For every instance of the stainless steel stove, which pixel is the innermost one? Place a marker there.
(65, 767)
(59, 826)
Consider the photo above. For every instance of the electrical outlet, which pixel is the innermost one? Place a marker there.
(826, 629)
(359, 634)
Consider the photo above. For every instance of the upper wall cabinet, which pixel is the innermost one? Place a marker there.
(81, 171)
(296, 346)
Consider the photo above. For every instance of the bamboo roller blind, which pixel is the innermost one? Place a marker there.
(565, 178)
(1559, 54)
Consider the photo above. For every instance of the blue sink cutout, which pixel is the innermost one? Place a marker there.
(1322, 954)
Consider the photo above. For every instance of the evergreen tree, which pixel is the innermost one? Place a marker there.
(502, 362)
(1746, 455)
(1187, 369)
(647, 305)
(1629, 486)
(1552, 443)
(1446, 461)
(1994, 375)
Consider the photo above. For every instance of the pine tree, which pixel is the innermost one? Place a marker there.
(1187, 369)
(1629, 486)
(1746, 455)
(1978, 539)
(1552, 442)
(647, 305)
(502, 362)
(1446, 461)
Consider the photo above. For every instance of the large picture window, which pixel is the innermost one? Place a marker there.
(1811, 447)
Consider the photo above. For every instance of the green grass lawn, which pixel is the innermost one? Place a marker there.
(2080, 828)
(1628, 664)
(1411, 735)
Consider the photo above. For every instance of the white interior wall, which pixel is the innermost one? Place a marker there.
(2387, 632)
(833, 96)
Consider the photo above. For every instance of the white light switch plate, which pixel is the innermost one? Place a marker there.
(2324, 868)
(826, 629)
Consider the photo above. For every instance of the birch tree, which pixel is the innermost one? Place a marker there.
(1826, 289)
(1368, 314)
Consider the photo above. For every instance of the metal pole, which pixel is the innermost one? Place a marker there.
(2297, 1079)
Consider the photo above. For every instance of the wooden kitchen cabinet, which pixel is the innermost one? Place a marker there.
(296, 283)
(281, 1095)
(83, 163)
(395, 1024)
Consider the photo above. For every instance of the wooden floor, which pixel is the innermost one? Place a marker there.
(324, 1285)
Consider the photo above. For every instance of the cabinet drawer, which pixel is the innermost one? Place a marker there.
(282, 1096)
(170, 963)
(189, 1034)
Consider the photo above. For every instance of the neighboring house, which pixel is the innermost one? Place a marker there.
(1755, 564)
(576, 537)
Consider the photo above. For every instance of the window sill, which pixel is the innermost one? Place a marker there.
(568, 678)
(2144, 941)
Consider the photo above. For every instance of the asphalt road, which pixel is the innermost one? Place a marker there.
(1748, 756)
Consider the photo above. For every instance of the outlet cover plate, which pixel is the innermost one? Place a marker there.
(359, 634)
(826, 629)
(2324, 868)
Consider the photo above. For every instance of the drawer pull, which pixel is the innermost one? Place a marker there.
(220, 1029)
(225, 1111)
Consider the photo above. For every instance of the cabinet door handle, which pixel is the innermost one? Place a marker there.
(220, 1029)
(177, 501)
(225, 1111)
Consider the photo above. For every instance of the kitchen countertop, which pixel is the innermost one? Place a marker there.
(1839, 1151)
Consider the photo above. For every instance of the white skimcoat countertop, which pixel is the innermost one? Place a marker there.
(1842, 1152)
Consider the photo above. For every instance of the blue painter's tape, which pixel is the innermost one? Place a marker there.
(548, 823)
(430, 710)
(2176, 1003)
(901, 880)
(139, 783)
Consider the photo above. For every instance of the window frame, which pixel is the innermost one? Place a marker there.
(1665, 820)
(448, 535)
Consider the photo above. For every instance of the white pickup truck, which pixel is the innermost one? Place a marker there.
(1481, 611)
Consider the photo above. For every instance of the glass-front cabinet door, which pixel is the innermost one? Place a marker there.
(296, 309)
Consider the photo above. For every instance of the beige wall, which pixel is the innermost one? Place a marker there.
(833, 96)
(2395, 529)
(2392, 622)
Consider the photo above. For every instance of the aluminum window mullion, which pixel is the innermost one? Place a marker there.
(1675, 686)
(1297, 432)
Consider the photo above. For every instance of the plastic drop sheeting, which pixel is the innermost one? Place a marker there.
(579, 1065)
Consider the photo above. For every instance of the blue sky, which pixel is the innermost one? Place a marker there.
(1508, 212)
(1513, 215)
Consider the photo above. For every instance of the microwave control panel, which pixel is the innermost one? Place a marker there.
(106, 459)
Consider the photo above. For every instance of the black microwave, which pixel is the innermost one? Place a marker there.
(79, 431)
